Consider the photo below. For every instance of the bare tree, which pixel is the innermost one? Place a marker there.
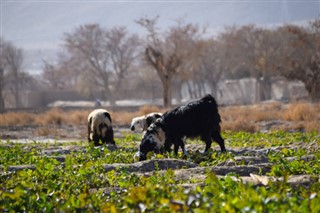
(290, 51)
(211, 64)
(2, 106)
(52, 76)
(65, 74)
(300, 56)
(96, 59)
(123, 50)
(87, 49)
(11, 60)
(2, 69)
(166, 52)
(250, 52)
(165, 65)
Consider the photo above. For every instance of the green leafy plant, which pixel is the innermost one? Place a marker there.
(80, 182)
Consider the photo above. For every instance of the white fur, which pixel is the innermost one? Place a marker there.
(98, 118)
(159, 137)
(140, 123)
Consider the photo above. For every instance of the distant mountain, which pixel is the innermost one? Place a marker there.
(38, 26)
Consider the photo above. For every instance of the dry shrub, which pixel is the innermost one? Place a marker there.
(245, 118)
(296, 126)
(77, 117)
(254, 113)
(61, 117)
(238, 125)
(236, 119)
(265, 112)
(122, 117)
(234, 113)
(265, 115)
(310, 126)
(54, 116)
(300, 112)
(144, 110)
(125, 118)
(296, 116)
(17, 119)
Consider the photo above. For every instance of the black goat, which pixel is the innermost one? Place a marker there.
(196, 119)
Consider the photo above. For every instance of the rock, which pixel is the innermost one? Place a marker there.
(152, 165)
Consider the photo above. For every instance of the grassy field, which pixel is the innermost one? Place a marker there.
(261, 172)
(272, 164)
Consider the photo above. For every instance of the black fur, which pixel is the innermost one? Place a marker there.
(196, 119)
(89, 128)
(152, 119)
(108, 116)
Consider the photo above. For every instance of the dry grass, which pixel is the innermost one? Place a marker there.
(16, 118)
(125, 118)
(238, 125)
(293, 116)
(246, 118)
(148, 109)
(303, 116)
(54, 116)
(78, 116)
(312, 126)
(300, 112)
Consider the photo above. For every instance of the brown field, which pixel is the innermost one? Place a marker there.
(60, 123)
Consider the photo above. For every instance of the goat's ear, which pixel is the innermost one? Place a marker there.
(157, 116)
(149, 121)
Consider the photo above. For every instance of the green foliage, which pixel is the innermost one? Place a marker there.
(295, 166)
(270, 139)
(16, 155)
(80, 183)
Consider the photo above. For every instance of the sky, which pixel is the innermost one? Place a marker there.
(38, 26)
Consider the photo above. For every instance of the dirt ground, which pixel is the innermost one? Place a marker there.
(49, 133)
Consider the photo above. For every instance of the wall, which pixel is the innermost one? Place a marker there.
(243, 91)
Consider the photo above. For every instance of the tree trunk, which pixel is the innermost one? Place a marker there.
(1, 90)
(179, 94)
(190, 90)
(265, 89)
(214, 89)
(314, 92)
(118, 87)
(2, 107)
(166, 93)
(108, 95)
(17, 93)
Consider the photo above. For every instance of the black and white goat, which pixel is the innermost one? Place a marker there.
(143, 122)
(197, 119)
(100, 127)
